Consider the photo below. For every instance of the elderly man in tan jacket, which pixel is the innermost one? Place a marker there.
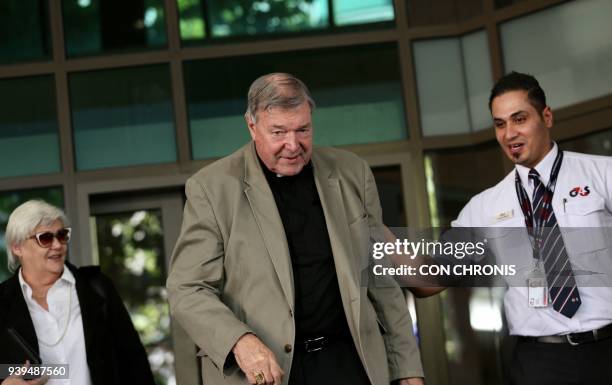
(266, 274)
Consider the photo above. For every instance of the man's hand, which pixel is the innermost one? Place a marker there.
(253, 356)
(411, 381)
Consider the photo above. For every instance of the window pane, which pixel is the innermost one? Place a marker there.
(130, 250)
(566, 47)
(427, 12)
(450, 178)
(122, 117)
(24, 30)
(28, 128)
(249, 17)
(599, 143)
(360, 103)
(478, 77)
(9, 200)
(348, 12)
(96, 26)
(441, 87)
(505, 3)
(453, 81)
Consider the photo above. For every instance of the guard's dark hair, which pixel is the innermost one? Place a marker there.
(516, 81)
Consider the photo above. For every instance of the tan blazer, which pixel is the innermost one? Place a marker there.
(231, 272)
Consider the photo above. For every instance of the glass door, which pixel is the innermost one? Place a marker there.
(132, 240)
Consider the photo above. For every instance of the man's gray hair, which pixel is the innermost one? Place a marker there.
(276, 90)
(24, 219)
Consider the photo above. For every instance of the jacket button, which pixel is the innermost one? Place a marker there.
(288, 348)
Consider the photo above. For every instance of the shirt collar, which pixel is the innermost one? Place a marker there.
(544, 168)
(67, 277)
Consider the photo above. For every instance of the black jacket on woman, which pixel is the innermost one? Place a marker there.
(115, 355)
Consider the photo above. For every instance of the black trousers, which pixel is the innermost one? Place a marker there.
(537, 363)
(338, 363)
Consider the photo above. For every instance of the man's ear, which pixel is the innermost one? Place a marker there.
(250, 125)
(547, 116)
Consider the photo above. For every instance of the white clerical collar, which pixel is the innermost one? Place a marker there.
(543, 168)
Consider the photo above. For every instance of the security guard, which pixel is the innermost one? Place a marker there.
(562, 204)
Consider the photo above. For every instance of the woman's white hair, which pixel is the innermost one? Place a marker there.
(22, 222)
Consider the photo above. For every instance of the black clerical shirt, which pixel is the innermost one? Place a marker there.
(318, 305)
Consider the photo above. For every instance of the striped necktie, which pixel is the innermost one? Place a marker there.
(564, 294)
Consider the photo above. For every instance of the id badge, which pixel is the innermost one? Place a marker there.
(537, 289)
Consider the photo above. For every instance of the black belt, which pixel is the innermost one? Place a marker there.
(315, 344)
(573, 338)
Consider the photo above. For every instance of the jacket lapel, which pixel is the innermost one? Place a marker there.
(92, 309)
(268, 220)
(347, 269)
(17, 314)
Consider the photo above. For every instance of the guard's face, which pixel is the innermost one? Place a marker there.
(521, 131)
(38, 260)
(283, 138)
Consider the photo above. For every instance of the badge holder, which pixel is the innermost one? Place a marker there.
(537, 287)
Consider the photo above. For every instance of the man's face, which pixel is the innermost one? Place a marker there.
(283, 138)
(521, 131)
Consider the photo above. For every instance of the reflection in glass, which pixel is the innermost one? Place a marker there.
(453, 80)
(427, 12)
(473, 323)
(29, 139)
(248, 17)
(122, 117)
(24, 31)
(98, 26)
(360, 103)
(389, 185)
(599, 143)
(130, 250)
(347, 12)
(9, 200)
(566, 47)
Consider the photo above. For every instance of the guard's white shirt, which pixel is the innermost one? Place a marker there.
(50, 326)
(585, 220)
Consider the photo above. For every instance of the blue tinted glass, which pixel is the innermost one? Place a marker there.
(362, 11)
(9, 200)
(24, 30)
(28, 127)
(360, 103)
(122, 117)
(96, 26)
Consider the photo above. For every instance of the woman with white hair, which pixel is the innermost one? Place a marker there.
(54, 313)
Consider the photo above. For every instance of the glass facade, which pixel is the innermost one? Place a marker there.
(99, 26)
(122, 117)
(567, 48)
(427, 12)
(24, 31)
(9, 200)
(28, 127)
(361, 103)
(453, 79)
(233, 18)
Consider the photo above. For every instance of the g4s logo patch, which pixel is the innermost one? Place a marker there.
(582, 191)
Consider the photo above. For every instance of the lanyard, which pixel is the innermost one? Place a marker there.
(536, 222)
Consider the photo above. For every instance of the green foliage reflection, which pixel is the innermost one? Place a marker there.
(131, 252)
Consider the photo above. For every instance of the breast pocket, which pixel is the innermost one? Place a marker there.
(584, 228)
